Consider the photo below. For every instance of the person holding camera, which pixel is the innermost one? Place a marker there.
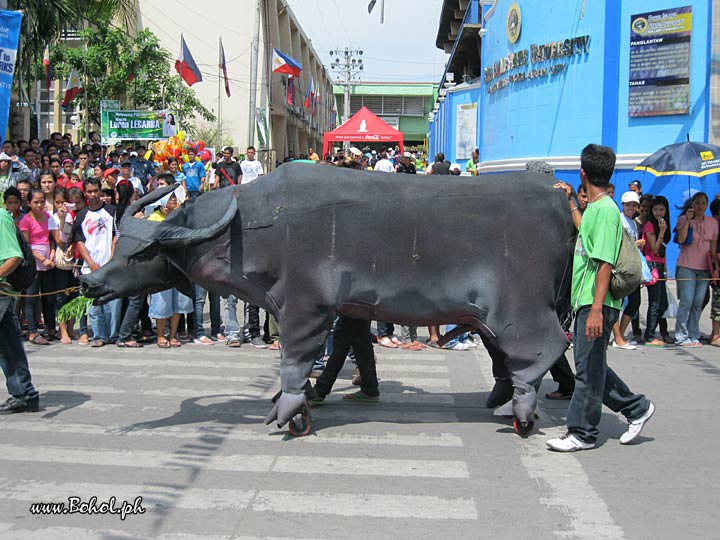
(697, 235)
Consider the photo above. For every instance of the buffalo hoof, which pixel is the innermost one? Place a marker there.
(523, 428)
(501, 393)
(524, 403)
(286, 406)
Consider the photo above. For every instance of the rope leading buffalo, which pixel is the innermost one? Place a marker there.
(307, 243)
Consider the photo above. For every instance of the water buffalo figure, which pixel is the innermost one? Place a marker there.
(309, 242)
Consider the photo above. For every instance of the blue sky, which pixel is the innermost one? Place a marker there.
(401, 49)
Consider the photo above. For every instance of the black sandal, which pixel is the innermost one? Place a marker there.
(129, 344)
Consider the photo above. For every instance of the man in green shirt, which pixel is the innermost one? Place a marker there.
(471, 165)
(596, 311)
(13, 361)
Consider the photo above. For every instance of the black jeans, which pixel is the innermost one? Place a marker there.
(595, 383)
(252, 321)
(349, 333)
(45, 283)
(130, 319)
(633, 305)
(657, 303)
(563, 375)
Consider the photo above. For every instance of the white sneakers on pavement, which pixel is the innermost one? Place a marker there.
(568, 443)
(636, 426)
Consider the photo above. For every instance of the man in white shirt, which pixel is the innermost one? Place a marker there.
(251, 167)
(384, 164)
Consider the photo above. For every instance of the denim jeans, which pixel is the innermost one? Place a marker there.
(349, 333)
(215, 322)
(13, 361)
(595, 383)
(130, 320)
(408, 333)
(692, 286)
(105, 321)
(232, 326)
(454, 341)
(385, 329)
(657, 303)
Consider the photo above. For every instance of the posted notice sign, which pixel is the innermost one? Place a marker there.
(137, 125)
(660, 62)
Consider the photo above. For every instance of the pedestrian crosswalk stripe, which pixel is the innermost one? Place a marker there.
(75, 533)
(372, 466)
(236, 462)
(143, 375)
(163, 496)
(366, 505)
(189, 432)
(340, 504)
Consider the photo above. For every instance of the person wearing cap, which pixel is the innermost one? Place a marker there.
(355, 154)
(11, 170)
(126, 173)
(630, 205)
(110, 178)
(636, 187)
(471, 165)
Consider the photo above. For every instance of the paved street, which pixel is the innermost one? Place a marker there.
(182, 428)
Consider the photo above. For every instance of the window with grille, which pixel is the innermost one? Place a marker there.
(391, 106)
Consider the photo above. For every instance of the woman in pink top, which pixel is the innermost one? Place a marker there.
(35, 227)
(692, 267)
(656, 232)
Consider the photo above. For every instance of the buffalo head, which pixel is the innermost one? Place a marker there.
(140, 263)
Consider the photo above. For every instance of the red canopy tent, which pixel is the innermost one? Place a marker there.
(363, 126)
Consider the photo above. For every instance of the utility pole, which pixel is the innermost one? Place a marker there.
(348, 63)
(253, 76)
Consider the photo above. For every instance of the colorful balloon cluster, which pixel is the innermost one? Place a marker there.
(178, 146)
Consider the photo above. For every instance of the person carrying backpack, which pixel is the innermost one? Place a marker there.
(13, 361)
(600, 252)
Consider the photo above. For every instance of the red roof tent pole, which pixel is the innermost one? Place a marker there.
(363, 127)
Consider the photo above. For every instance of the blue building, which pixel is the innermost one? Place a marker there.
(556, 75)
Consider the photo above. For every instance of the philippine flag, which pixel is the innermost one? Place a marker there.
(72, 88)
(309, 93)
(186, 66)
(282, 63)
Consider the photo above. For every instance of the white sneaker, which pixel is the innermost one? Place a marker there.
(636, 426)
(471, 344)
(627, 347)
(568, 443)
(459, 346)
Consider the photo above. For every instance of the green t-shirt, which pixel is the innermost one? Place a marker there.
(598, 241)
(471, 166)
(9, 247)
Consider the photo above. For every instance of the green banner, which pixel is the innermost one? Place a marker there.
(137, 125)
(262, 127)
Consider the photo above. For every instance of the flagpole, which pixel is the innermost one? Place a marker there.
(253, 76)
(220, 84)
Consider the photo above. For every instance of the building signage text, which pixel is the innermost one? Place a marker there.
(536, 54)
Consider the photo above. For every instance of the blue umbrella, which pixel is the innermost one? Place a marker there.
(685, 158)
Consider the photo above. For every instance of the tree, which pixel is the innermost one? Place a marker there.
(44, 21)
(136, 71)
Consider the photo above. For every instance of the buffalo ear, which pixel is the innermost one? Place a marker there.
(153, 236)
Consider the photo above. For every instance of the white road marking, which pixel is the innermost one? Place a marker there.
(366, 505)
(237, 434)
(561, 476)
(205, 460)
